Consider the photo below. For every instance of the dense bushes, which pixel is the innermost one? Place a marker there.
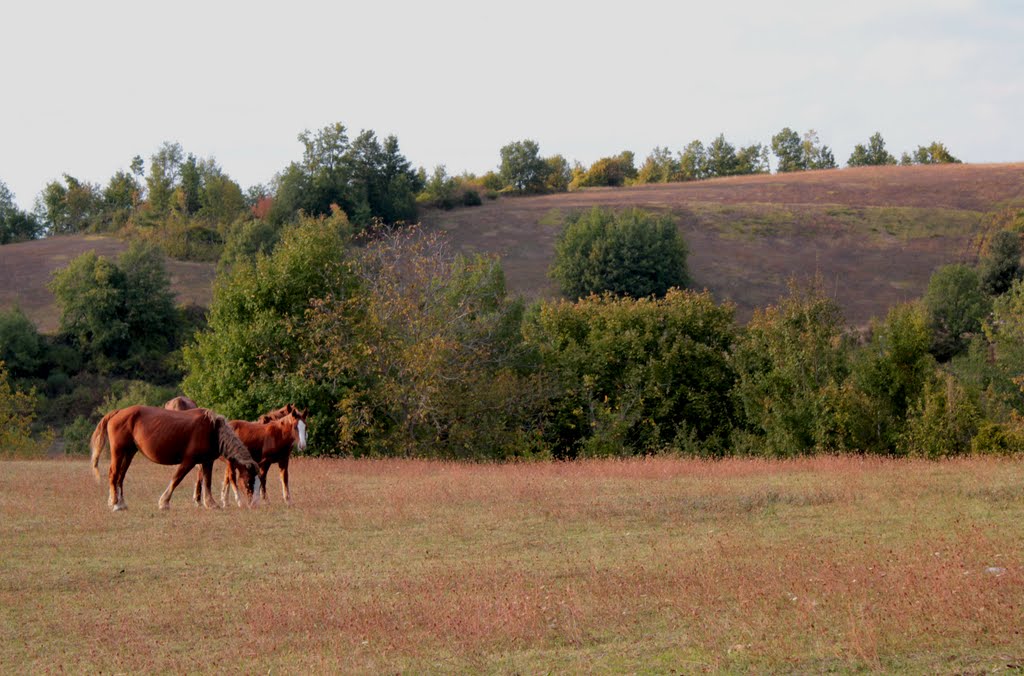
(629, 253)
(636, 376)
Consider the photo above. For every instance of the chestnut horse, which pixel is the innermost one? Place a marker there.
(269, 441)
(181, 403)
(183, 438)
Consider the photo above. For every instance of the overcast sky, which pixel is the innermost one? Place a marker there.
(88, 85)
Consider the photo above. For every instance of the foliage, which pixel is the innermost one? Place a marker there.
(607, 171)
(21, 347)
(693, 161)
(367, 179)
(874, 154)
(522, 167)
(956, 306)
(661, 166)
(792, 365)
(801, 154)
(1001, 265)
(15, 224)
(431, 346)
(627, 253)
(934, 153)
(558, 174)
(245, 240)
(70, 207)
(637, 376)
(120, 315)
(17, 410)
(944, 422)
(250, 357)
(891, 371)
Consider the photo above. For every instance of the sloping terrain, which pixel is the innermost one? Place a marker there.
(26, 268)
(875, 234)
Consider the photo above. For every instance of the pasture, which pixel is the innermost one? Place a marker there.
(659, 565)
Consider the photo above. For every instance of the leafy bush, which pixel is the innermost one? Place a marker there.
(956, 306)
(431, 346)
(21, 347)
(791, 366)
(943, 423)
(17, 411)
(1001, 266)
(637, 376)
(631, 253)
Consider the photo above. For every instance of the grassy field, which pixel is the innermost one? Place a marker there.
(663, 565)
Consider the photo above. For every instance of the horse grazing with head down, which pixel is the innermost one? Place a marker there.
(269, 441)
(181, 403)
(183, 438)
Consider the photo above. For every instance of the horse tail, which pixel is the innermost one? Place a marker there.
(97, 442)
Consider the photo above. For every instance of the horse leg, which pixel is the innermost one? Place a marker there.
(199, 486)
(179, 474)
(206, 476)
(264, 470)
(283, 466)
(230, 479)
(126, 460)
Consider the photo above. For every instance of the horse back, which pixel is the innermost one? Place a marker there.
(165, 436)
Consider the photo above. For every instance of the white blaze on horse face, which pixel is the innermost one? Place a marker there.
(302, 435)
(255, 502)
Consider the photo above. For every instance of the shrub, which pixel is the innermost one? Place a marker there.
(956, 305)
(1001, 266)
(791, 365)
(944, 421)
(631, 253)
(637, 376)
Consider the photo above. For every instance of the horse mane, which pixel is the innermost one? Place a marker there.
(231, 447)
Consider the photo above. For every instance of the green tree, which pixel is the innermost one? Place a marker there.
(73, 206)
(1001, 265)
(15, 224)
(522, 167)
(791, 385)
(629, 253)
(721, 158)
(431, 346)
(607, 171)
(788, 150)
(891, 370)
(956, 305)
(752, 159)
(17, 411)
(874, 154)
(121, 315)
(21, 347)
(693, 162)
(943, 422)
(814, 154)
(164, 174)
(250, 357)
(661, 166)
(935, 153)
(636, 375)
(559, 174)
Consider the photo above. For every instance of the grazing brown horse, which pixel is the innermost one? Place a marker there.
(181, 403)
(269, 442)
(183, 438)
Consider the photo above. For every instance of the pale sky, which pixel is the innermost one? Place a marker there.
(88, 85)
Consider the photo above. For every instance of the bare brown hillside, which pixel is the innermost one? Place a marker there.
(26, 268)
(875, 234)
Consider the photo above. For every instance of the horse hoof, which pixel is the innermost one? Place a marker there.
(120, 507)
(163, 505)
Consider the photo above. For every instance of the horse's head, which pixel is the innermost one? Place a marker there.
(299, 433)
(249, 477)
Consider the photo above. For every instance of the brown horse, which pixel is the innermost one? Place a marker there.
(268, 442)
(183, 438)
(181, 403)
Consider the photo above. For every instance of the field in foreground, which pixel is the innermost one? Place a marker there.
(659, 565)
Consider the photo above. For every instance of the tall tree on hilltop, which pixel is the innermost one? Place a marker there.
(873, 155)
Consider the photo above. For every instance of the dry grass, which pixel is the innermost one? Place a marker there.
(659, 565)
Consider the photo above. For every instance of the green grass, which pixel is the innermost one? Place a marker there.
(833, 564)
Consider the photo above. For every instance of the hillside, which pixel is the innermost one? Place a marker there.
(26, 268)
(874, 233)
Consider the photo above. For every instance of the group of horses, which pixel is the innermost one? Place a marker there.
(183, 434)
